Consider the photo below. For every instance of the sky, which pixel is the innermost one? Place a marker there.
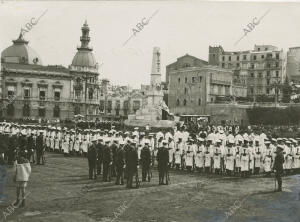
(177, 27)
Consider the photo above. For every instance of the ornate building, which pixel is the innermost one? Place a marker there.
(261, 70)
(30, 89)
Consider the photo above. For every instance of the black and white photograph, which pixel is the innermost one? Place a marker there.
(149, 111)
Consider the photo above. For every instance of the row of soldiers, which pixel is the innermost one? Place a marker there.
(210, 152)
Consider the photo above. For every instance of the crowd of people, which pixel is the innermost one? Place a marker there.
(119, 154)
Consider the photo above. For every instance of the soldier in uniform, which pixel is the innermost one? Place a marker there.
(114, 148)
(268, 159)
(131, 163)
(189, 156)
(217, 155)
(120, 163)
(163, 160)
(92, 158)
(146, 161)
(107, 161)
(199, 156)
(208, 156)
(257, 157)
(230, 156)
(278, 166)
(39, 148)
(99, 155)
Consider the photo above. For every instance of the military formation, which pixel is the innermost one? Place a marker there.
(118, 154)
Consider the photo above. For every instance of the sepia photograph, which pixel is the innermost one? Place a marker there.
(149, 111)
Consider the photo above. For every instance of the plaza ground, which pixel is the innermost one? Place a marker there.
(61, 191)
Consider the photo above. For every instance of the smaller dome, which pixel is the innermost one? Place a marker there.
(84, 58)
(20, 52)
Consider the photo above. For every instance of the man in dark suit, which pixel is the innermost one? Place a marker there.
(278, 166)
(146, 161)
(163, 160)
(131, 161)
(39, 148)
(107, 161)
(120, 161)
(92, 159)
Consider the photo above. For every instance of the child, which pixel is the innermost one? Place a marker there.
(22, 170)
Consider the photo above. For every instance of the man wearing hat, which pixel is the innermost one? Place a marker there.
(114, 147)
(278, 166)
(189, 156)
(92, 158)
(163, 160)
(230, 156)
(199, 155)
(146, 161)
(257, 157)
(99, 155)
(131, 162)
(268, 158)
(120, 163)
(39, 148)
(107, 161)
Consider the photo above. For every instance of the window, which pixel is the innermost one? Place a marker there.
(109, 106)
(101, 105)
(10, 110)
(268, 73)
(10, 91)
(178, 102)
(223, 58)
(223, 65)
(252, 66)
(42, 112)
(26, 93)
(91, 93)
(185, 90)
(56, 111)
(238, 65)
(277, 55)
(178, 80)
(277, 74)
(277, 64)
(229, 58)
(185, 79)
(268, 81)
(26, 110)
(238, 58)
(262, 56)
(259, 75)
(193, 79)
(136, 105)
(251, 90)
(254, 57)
(199, 102)
(57, 96)
(268, 65)
(252, 74)
(184, 102)
(42, 95)
(258, 49)
(200, 78)
(244, 57)
(268, 91)
(266, 49)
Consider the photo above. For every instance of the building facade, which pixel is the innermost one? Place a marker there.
(117, 102)
(191, 87)
(293, 64)
(32, 90)
(261, 70)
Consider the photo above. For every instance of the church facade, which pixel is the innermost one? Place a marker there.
(31, 90)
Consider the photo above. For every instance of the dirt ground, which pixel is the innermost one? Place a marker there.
(61, 191)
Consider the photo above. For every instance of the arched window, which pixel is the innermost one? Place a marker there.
(26, 110)
(185, 90)
(178, 102)
(199, 102)
(56, 111)
(184, 102)
(77, 110)
(10, 110)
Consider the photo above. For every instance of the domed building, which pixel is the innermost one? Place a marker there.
(28, 89)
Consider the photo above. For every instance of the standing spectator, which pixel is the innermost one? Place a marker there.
(22, 170)
(3, 176)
